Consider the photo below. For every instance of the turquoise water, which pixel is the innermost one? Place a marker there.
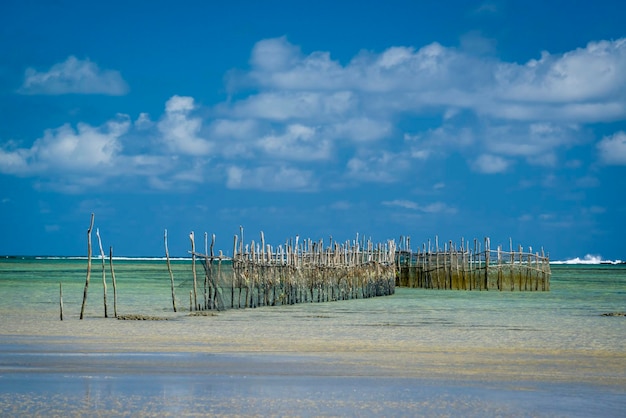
(418, 352)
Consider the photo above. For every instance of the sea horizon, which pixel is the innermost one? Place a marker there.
(588, 259)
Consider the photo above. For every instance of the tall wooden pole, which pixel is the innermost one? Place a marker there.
(61, 300)
(487, 254)
(169, 269)
(114, 282)
(104, 282)
(213, 281)
(82, 308)
(193, 270)
(234, 264)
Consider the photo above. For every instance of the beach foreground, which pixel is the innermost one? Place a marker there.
(305, 360)
(184, 384)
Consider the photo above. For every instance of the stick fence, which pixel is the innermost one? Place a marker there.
(473, 268)
(296, 272)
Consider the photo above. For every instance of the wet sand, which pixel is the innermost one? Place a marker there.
(304, 360)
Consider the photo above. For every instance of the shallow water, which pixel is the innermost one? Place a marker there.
(418, 352)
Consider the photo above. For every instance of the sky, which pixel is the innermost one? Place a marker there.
(449, 119)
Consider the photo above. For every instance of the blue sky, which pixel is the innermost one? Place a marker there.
(455, 119)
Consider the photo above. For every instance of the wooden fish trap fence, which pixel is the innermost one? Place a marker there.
(310, 271)
(296, 272)
(472, 267)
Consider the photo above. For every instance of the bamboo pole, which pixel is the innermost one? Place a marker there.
(169, 269)
(234, 274)
(437, 261)
(104, 282)
(219, 273)
(206, 304)
(512, 266)
(193, 271)
(499, 267)
(82, 308)
(474, 259)
(241, 232)
(487, 254)
(213, 283)
(61, 300)
(114, 282)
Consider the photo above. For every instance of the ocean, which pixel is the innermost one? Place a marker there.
(418, 352)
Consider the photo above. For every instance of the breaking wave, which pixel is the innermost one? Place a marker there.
(588, 259)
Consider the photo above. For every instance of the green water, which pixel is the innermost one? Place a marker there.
(568, 314)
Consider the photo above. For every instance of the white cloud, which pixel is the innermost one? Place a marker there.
(235, 138)
(65, 149)
(74, 76)
(612, 149)
(515, 111)
(362, 129)
(420, 154)
(270, 179)
(436, 207)
(179, 130)
(143, 121)
(383, 167)
(536, 141)
(587, 74)
(288, 105)
(14, 161)
(441, 141)
(276, 63)
(298, 142)
(406, 204)
(308, 109)
(490, 164)
(274, 54)
(234, 129)
(586, 84)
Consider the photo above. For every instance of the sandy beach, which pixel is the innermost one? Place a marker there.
(301, 360)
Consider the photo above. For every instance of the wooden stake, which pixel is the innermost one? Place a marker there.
(104, 282)
(213, 282)
(193, 270)
(61, 300)
(487, 254)
(169, 269)
(82, 308)
(206, 303)
(234, 266)
(114, 282)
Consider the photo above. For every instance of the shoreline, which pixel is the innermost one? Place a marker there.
(393, 351)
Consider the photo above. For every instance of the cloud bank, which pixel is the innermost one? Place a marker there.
(296, 121)
(74, 76)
